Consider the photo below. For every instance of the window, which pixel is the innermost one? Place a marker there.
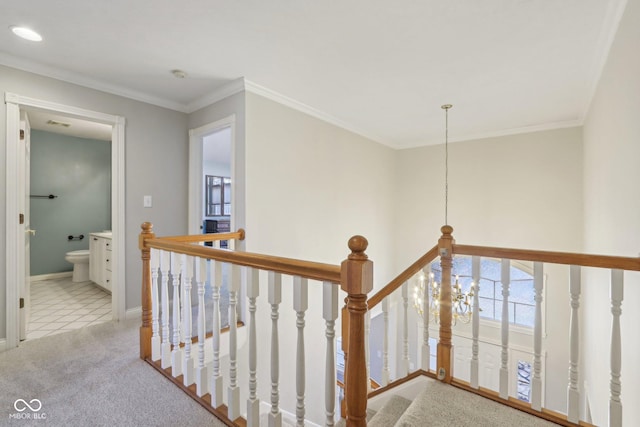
(217, 195)
(521, 290)
(524, 381)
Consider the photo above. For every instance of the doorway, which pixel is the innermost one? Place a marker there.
(211, 162)
(16, 262)
(69, 213)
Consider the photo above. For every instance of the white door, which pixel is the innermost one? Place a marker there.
(24, 168)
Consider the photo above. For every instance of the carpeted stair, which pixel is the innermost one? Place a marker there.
(442, 405)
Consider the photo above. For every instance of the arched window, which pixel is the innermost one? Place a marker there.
(521, 290)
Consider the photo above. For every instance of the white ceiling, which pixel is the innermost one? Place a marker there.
(77, 127)
(377, 67)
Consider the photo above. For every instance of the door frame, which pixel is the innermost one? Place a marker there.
(15, 234)
(196, 136)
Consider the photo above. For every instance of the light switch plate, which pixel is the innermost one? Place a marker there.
(146, 202)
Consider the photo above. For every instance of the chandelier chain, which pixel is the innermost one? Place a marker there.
(446, 108)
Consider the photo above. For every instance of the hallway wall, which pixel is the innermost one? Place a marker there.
(156, 152)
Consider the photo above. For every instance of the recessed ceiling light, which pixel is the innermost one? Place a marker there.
(26, 33)
(57, 123)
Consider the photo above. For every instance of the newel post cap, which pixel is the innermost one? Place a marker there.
(357, 269)
(147, 233)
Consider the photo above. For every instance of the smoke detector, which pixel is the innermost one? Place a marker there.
(179, 74)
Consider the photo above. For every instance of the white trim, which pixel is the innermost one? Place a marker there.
(313, 112)
(613, 16)
(133, 313)
(494, 134)
(231, 88)
(196, 135)
(288, 418)
(83, 80)
(13, 246)
(12, 229)
(243, 84)
(50, 276)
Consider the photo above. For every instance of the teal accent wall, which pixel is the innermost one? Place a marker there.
(78, 171)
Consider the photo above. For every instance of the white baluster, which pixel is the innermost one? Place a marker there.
(385, 342)
(233, 391)
(202, 383)
(187, 361)
(177, 274)
(300, 304)
(155, 315)
(330, 314)
(275, 297)
(367, 350)
(425, 364)
(404, 367)
(253, 403)
(475, 327)
(216, 377)
(165, 266)
(536, 382)
(504, 354)
(573, 394)
(616, 294)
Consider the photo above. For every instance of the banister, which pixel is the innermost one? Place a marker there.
(208, 237)
(403, 277)
(585, 260)
(289, 266)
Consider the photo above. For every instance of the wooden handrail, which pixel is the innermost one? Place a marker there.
(585, 260)
(208, 237)
(289, 266)
(403, 277)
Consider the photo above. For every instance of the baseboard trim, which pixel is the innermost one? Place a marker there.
(133, 313)
(50, 276)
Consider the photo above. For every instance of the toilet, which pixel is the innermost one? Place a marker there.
(80, 261)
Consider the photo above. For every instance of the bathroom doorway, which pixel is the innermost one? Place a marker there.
(70, 206)
(17, 277)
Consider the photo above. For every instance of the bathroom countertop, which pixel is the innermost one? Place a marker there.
(103, 234)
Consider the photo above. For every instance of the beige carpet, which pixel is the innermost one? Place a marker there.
(91, 377)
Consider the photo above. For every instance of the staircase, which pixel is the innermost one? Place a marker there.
(425, 401)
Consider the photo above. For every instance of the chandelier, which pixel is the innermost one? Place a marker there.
(428, 290)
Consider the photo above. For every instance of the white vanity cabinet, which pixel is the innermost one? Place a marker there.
(100, 259)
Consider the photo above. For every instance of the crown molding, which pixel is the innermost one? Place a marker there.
(314, 112)
(82, 80)
(224, 91)
(615, 11)
(497, 133)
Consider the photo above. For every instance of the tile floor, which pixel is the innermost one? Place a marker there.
(59, 305)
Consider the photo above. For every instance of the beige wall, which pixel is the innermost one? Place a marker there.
(310, 187)
(521, 191)
(612, 217)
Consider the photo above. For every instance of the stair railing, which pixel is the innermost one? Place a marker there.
(576, 262)
(447, 249)
(181, 262)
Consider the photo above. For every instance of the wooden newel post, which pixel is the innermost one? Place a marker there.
(145, 329)
(445, 348)
(356, 281)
